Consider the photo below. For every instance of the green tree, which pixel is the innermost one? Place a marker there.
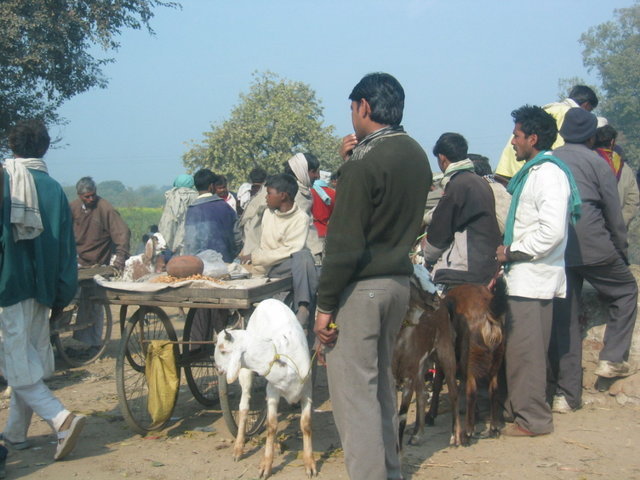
(612, 49)
(276, 119)
(46, 51)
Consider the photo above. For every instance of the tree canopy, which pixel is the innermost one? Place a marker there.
(46, 51)
(274, 120)
(612, 49)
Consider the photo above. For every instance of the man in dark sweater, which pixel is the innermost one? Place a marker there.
(364, 285)
(596, 252)
(463, 234)
(210, 221)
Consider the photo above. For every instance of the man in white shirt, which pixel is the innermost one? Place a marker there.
(533, 253)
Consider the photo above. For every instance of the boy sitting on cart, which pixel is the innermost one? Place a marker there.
(283, 249)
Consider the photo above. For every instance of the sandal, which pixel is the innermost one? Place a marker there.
(68, 438)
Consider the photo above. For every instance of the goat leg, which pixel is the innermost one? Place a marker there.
(407, 394)
(438, 378)
(471, 392)
(272, 427)
(419, 387)
(494, 428)
(245, 378)
(305, 426)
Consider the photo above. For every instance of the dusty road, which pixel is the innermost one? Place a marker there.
(597, 442)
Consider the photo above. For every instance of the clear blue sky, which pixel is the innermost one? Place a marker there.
(464, 65)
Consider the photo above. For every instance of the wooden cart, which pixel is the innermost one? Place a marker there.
(194, 353)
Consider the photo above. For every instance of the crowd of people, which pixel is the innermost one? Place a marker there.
(555, 213)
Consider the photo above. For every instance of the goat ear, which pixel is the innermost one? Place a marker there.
(227, 336)
(235, 363)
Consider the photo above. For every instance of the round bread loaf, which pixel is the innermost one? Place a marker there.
(184, 266)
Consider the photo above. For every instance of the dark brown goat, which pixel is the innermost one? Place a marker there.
(477, 317)
(423, 338)
(462, 332)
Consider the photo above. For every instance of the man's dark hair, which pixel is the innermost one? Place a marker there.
(29, 139)
(604, 136)
(481, 164)
(203, 178)
(581, 94)
(220, 181)
(257, 175)
(312, 161)
(533, 119)
(385, 96)
(283, 183)
(153, 229)
(451, 145)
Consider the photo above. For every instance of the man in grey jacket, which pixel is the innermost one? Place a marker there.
(597, 252)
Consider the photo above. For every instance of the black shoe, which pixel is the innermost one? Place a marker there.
(3, 460)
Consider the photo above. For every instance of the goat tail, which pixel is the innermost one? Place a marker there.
(498, 306)
(491, 331)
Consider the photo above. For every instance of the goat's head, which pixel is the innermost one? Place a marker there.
(230, 348)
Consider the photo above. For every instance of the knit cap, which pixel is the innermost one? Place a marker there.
(578, 126)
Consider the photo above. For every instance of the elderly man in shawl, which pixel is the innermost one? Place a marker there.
(596, 252)
(544, 199)
(38, 275)
(463, 235)
(305, 168)
(178, 199)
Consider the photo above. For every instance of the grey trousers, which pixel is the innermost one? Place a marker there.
(614, 281)
(361, 383)
(304, 276)
(89, 311)
(528, 329)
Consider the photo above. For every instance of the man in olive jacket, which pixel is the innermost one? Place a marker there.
(364, 285)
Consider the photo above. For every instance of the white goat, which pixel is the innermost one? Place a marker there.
(275, 347)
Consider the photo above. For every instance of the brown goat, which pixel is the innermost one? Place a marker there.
(463, 332)
(477, 318)
(423, 338)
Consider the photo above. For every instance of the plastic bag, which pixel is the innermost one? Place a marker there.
(214, 266)
(162, 379)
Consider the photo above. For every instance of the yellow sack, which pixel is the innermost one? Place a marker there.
(162, 379)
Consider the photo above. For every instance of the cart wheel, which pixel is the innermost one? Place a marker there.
(198, 363)
(74, 352)
(230, 401)
(147, 323)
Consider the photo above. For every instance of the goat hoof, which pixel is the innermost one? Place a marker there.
(311, 470)
(415, 440)
(494, 432)
(265, 471)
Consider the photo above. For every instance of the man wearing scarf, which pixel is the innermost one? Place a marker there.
(364, 284)
(38, 275)
(544, 199)
(596, 252)
(305, 168)
(463, 234)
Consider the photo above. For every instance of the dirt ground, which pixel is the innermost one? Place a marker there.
(599, 441)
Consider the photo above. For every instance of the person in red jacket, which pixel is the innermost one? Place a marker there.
(324, 198)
